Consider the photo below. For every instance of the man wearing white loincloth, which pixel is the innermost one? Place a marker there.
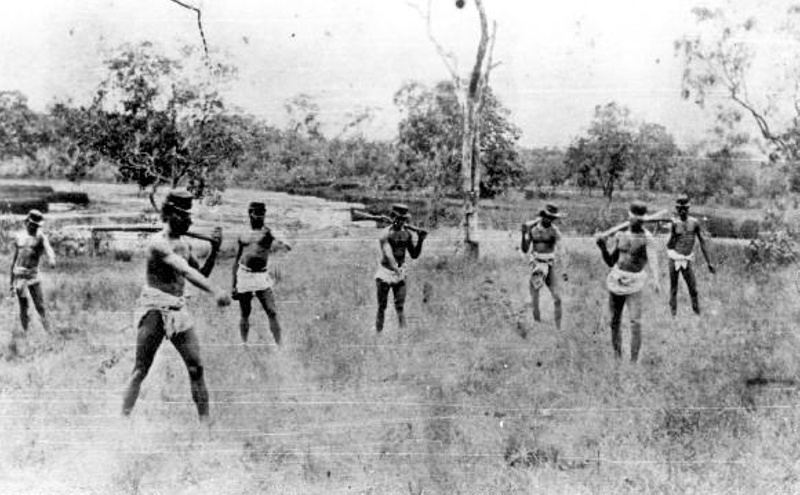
(394, 242)
(680, 251)
(547, 256)
(628, 253)
(250, 274)
(163, 313)
(25, 282)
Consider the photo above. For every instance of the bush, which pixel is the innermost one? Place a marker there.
(721, 226)
(749, 229)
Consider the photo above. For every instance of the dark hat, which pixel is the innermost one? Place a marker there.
(257, 208)
(682, 201)
(400, 211)
(550, 210)
(179, 200)
(35, 217)
(638, 209)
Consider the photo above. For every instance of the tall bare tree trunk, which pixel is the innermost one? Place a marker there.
(470, 146)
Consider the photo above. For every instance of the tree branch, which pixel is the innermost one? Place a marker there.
(199, 26)
(448, 58)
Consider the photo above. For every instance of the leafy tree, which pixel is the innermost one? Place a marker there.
(722, 57)
(655, 156)
(20, 127)
(430, 137)
(544, 167)
(604, 156)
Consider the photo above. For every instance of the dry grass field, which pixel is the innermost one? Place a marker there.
(471, 398)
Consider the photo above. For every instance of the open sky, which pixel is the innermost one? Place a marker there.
(558, 59)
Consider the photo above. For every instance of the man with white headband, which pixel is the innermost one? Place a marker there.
(629, 253)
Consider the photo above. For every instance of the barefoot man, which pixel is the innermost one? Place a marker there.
(628, 253)
(29, 246)
(680, 251)
(391, 275)
(547, 253)
(250, 272)
(170, 264)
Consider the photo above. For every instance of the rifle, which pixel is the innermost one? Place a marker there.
(357, 215)
(150, 229)
(656, 217)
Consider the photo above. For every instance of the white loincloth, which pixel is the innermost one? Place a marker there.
(390, 277)
(624, 283)
(541, 264)
(25, 277)
(250, 281)
(681, 260)
(172, 308)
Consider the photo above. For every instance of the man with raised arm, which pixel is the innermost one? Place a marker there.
(169, 265)
(29, 246)
(547, 257)
(629, 253)
(394, 242)
(680, 251)
(250, 272)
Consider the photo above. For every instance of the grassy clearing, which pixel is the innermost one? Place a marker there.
(471, 398)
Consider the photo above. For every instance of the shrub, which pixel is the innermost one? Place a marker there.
(749, 229)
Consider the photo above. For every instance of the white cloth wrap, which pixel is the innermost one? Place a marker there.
(172, 308)
(623, 283)
(390, 276)
(25, 277)
(250, 281)
(540, 264)
(681, 260)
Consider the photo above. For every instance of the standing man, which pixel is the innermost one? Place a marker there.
(680, 251)
(628, 253)
(29, 246)
(250, 272)
(169, 265)
(547, 254)
(391, 275)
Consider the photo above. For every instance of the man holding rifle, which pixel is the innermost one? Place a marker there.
(547, 254)
(628, 253)
(29, 246)
(169, 265)
(394, 242)
(680, 251)
(250, 274)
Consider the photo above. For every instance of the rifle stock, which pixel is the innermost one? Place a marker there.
(357, 215)
(655, 217)
(149, 229)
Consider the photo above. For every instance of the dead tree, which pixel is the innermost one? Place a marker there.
(471, 99)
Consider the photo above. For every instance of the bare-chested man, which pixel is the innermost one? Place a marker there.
(170, 264)
(250, 272)
(629, 253)
(391, 275)
(680, 251)
(547, 255)
(29, 246)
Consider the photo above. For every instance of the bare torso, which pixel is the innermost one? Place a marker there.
(632, 248)
(29, 250)
(399, 242)
(543, 239)
(160, 275)
(255, 246)
(683, 235)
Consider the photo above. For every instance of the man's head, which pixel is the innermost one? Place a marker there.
(256, 211)
(549, 214)
(636, 214)
(682, 206)
(33, 221)
(399, 215)
(176, 210)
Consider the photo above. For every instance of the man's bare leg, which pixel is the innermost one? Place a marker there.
(383, 299)
(635, 312)
(24, 319)
(148, 340)
(535, 301)
(245, 307)
(188, 347)
(38, 302)
(399, 291)
(555, 291)
(267, 300)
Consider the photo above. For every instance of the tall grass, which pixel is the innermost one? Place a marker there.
(472, 397)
